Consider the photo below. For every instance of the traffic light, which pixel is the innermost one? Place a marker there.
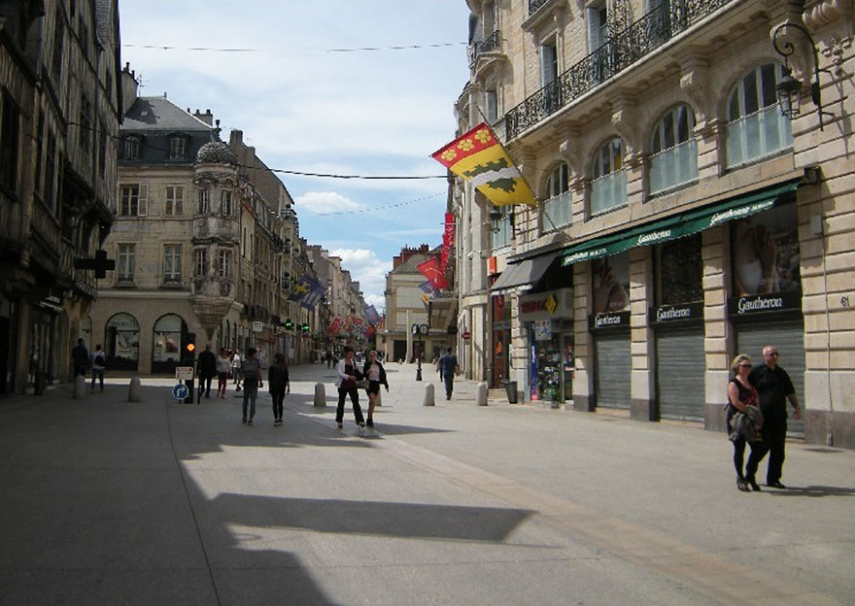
(188, 342)
(289, 325)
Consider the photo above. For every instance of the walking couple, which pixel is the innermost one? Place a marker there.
(347, 376)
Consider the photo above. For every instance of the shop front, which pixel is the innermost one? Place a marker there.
(501, 340)
(678, 329)
(548, 321)
(609, 326)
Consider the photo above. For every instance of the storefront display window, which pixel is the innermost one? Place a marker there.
(501, 309)
(611, 284)
(123, 342)
(546, 362)
(766, 252)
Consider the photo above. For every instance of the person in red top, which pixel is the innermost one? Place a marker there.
(740, 395)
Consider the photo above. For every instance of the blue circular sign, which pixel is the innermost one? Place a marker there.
(180, 391)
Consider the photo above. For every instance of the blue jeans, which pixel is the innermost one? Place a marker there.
(99, 374)
(250, 392)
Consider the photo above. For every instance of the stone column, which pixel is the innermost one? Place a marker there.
(641, 296)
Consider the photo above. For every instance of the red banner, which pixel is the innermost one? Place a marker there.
(431, 271)
(447, 241)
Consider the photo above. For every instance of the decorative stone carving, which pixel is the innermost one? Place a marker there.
(693, 82)
(823, 12)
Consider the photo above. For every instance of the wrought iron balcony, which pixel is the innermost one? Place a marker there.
(618, 53)
(534, 5)
(492, 43)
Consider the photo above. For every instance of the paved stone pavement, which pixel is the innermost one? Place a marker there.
(103, 501)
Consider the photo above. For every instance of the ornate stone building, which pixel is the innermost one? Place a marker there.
(60, 105)
(689, 209)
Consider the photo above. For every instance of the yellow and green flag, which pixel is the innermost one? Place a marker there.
(479, 156)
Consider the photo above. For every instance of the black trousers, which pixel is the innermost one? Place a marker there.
(774, 442)
(354, 398)
(278, 395)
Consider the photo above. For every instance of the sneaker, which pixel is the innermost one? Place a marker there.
(340, 425)
(742, 485)
(361, 423)
(277, 422)
(370, 422)
(776, 484)
(249, 422)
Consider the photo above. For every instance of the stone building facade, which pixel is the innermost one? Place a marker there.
(60, 103)
(682, 217)
(206, 244)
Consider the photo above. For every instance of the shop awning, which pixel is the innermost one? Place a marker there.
(524, 273)
(681, 225)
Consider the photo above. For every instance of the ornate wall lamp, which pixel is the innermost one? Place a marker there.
(496, 217)
(788, 88)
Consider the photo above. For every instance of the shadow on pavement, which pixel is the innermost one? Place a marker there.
(812, 491)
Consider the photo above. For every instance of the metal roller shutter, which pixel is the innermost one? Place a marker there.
(614, 367)
(680, 373)
(788, 337)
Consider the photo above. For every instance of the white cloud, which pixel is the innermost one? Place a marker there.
(325, 202)
(369, 270)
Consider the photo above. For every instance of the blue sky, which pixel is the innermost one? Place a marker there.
(308, 106)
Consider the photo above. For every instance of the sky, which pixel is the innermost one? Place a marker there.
(296, 77)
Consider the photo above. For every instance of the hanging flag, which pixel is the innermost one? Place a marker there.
(335, 326)
(371, 315)
(447, 241)
(430, 270)
(479, 157)
(428, 289)
(303, 287)
(315, 295)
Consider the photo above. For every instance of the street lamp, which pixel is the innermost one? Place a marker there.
(788, 88)
(419, 330)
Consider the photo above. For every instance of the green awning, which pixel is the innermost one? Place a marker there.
(681, 225)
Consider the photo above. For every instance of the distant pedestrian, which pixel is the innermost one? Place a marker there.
(279, 384)
(236, 368)
(328, 357)
(742, 398)
(775, 388)
(224, 366)
(449, 369)
(348, 375)
(251, 370)
(376, 375)
(98, 365)
(80, 358)
(207, 365)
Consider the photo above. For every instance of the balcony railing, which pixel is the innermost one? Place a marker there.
(492, 43)
(534, 5)
(619, 52)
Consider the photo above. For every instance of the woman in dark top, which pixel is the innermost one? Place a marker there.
(740, 394)
(277, 379)
(348, 374)
(376, 375)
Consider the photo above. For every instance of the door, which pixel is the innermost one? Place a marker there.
(680, 373)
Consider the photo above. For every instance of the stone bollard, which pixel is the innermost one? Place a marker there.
(135, 390)
(79, 387)
(378, 400)
(429, 400)
(481, 394)
(320, 395)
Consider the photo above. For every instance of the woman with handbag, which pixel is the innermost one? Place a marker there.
(376, 375)
(348, 374)
(742, 400)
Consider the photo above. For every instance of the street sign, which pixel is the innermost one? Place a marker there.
(257, 326)
(466, 336)
(180, 392)
(184, 373)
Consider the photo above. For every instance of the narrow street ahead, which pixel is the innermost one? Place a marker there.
(109, 502)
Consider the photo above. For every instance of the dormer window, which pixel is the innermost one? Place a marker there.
(132, 148)
(177, 147)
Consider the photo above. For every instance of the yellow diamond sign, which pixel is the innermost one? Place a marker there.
(551, 304)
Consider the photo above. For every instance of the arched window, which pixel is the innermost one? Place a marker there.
(123, 342)
(608, 189)
(673, 152)
(556, 209)
(755, 126)
(166, 343)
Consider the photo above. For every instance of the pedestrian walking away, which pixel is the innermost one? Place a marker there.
(347, 376)
(449, 369)
(80, 358)
(774, 386)
(376, 375)
(224, 366)
(279, 384)
(236, 370)
(207, 365)
(743, 417)
(99, 362)
(251, 369)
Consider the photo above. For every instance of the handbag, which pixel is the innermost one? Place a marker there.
(362, 384)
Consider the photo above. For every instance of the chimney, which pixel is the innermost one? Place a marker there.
(207, 117)
(130, 87)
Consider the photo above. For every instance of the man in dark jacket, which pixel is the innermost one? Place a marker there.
(775, 388)
(80, 358)
(207, 370)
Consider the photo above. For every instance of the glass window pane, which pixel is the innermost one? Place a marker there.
(733, 112)
(770, 96)
(749, 92)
